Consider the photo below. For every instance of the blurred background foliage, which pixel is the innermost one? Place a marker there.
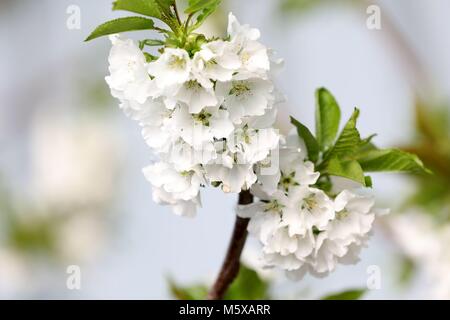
(302, 6)
(432, 144)
(247, 286)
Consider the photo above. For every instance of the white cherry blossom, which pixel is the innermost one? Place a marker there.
(128, 77)
(173, 67)
(183, 156)
(196, 129)
(253, 145)
(308, 208)
(233, 179)
(215, 61)
(179, 207)
(182, 185)
(252, 54)
(235, 29)
(250, 97)
(195, 96)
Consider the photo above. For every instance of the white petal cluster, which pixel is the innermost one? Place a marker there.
(208, 116)
(301, 228)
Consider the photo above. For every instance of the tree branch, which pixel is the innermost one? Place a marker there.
(230, 266)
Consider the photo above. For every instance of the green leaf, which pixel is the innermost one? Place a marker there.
(159, 9)
(121, 25)
(328, 116)
(149, 57)
(165, 4)
(349, 140)
(205, 14)
(349, 169)
(353, 294)
(394, 160)
(368, 181)
(366, 145)
(208, 7)
(151, 8)
(248, 286)
(152, 42)
(407, 270)
(195, 292)
(324, 183)
(432, 195)
(302, 6)
(310, 141)
(198, 5)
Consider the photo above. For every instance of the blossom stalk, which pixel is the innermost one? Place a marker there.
(231, 263)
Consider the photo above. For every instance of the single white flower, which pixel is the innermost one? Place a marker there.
(282, 244)
(254, 59)
(308, 208)
(267, 120)
(292, 168)
(153, 117)
(235, 29)
(265, 218)
(354, 217)
(253, 145)
(198, 129)
(280, 247)
(343, 237)
(327, 253)
(215, 61)
(302, 174)
(288, 262)
(183, 156)
(284, 177)
(128, 77)
(173, 67)
(251, 97)
(252, 54)
(268, 181)
(179, 207)
(157, 139)
(195, 96)
(238, 177)
(150, 113)
(182, 185)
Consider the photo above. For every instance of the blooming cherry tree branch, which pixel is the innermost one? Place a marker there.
(207, 109)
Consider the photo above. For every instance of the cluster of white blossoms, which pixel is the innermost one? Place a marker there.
(208, 116)
(301, 228)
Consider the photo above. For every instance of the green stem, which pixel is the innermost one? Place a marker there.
(186, 25)
(176, 12)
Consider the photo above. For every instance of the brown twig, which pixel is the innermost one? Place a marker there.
(230, 266)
